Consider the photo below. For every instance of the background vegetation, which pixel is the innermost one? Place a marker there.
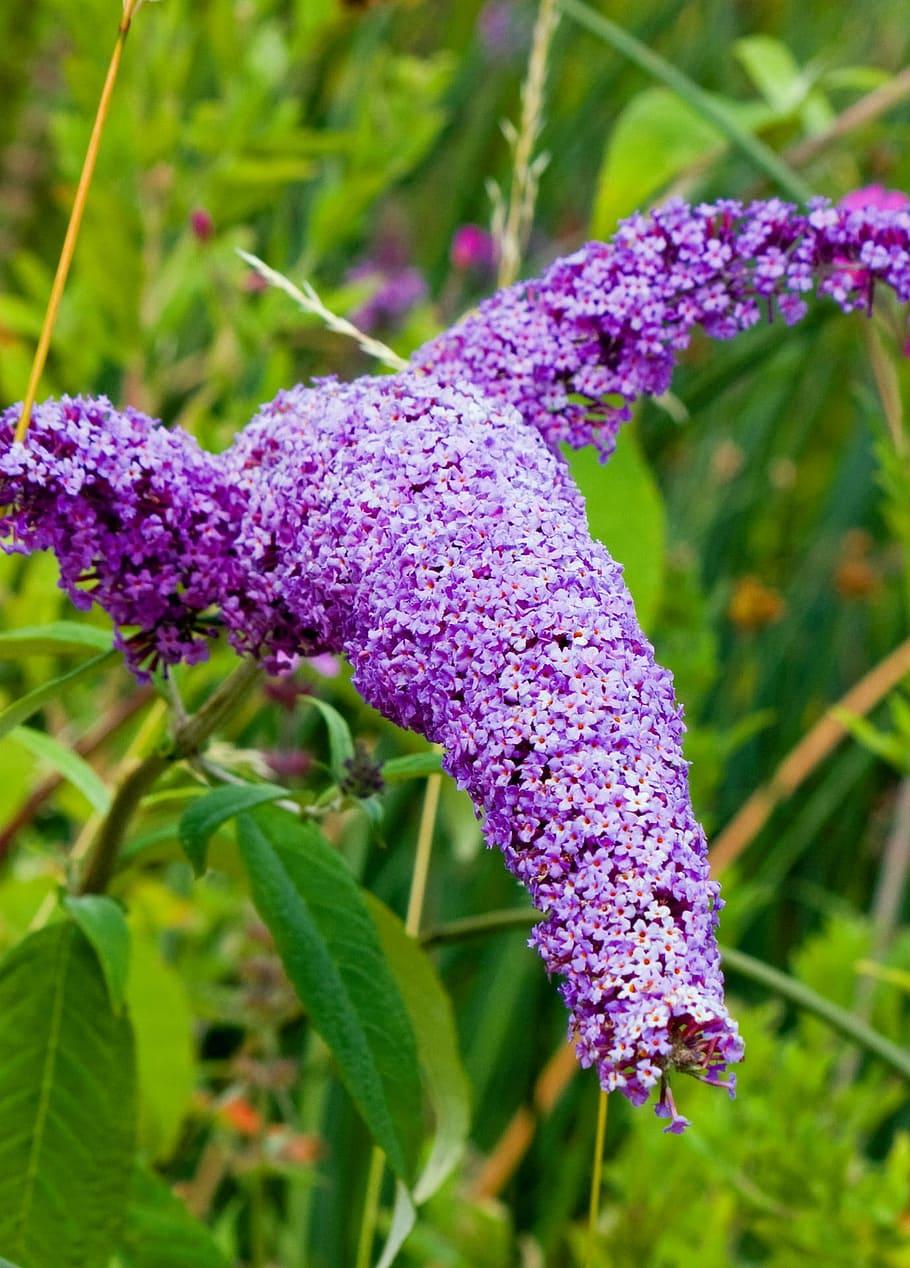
(763, 513)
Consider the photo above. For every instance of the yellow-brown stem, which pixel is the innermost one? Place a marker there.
(597, 1174)
(75, 222)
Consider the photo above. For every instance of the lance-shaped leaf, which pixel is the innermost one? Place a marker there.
(433, 1020)
(341, 745)
(202, 819)
(57, 637)
(327, 940)
(104, 924)
(70, 765)
(411, 766)
(165, 1054)
(67, 1104)
(29, 704)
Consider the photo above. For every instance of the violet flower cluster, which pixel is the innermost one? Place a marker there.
(573, 350)
(443, 547)
(424, 525)
(137, 516)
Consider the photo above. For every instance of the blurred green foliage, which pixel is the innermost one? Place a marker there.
(761, 512)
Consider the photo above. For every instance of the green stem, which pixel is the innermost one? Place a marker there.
(759, 154)
(370, 1215)
(470, 927)
(839, 1019)
(597, 1174)
(140, 776)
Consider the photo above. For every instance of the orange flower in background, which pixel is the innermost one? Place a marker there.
(753, 605)
(241, 1116)
(856, 576)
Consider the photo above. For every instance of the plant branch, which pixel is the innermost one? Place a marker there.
(141, 774)
(483, 926)
(75, 221)
(847, 1024)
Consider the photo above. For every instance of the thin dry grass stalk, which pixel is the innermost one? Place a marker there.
(310, 302)
(512, 221)
(130, 8)
(866, 110)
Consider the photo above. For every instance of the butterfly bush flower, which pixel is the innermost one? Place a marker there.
(442, 546)
(575, 349)
(138, 517)
(423, 525)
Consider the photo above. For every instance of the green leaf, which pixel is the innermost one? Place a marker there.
(201, 820)
(104, 924)
(163, 1024)
(56, 637)
(888, 746)
(656, 137)
(404, 1217)
(762, 157)
(625, 512)
(69, 764)
(67, 1104)
(327, 940)
(411, 766)
(433, 1020)
(773, 70)
(30, 703)
(160, 1230)
(341, 744)
(785, 85)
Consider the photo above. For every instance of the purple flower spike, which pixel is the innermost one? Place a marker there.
(574, 350)
(136, 515)
(424, 525)
(442, 546)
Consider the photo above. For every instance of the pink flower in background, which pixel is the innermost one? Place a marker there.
(202, 224)
(875, 196)
(472, 249)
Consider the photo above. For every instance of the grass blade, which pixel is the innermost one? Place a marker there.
(760, 155)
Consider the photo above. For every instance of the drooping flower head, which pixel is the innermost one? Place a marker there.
(442, 546)
(424, 525)
(574, 350)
